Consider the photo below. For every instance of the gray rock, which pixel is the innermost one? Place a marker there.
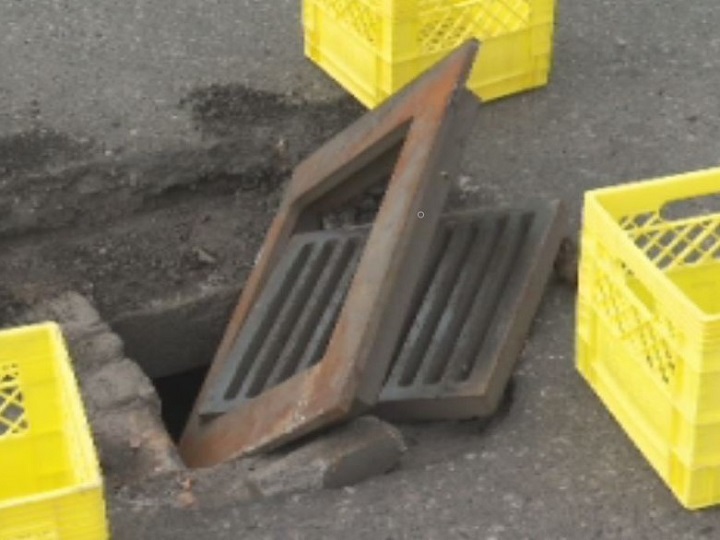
(93, 348)
(71, 310)
(345, 456)
(117, 384)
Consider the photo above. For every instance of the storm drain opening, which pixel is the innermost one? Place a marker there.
(177, 394)
(414, 144)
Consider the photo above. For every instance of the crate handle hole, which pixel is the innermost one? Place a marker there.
(705, 205)
(641, 292)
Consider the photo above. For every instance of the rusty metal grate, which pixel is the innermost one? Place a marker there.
(465, 283)
(290, 326)
(415, 140)
(473, 305)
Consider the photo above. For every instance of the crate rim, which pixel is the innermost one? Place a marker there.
(593, 198)
(52, 494)
(46, 325)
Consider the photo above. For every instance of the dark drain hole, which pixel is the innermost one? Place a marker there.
(177, 394)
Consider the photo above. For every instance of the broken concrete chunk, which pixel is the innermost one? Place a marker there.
(345, 456)
(71, 310)
(133, 444)
(94, 348)
(118, 384)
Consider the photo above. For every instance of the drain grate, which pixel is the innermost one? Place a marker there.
(480, 289)
(472, 313)
(414, 140)
(12, 409)
(290, 326)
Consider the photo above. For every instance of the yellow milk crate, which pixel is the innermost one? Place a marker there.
(375, 47)
(648, 326)
(50, 482)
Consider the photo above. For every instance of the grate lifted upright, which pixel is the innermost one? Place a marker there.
(414, 141)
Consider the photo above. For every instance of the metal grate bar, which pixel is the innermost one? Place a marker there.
(483, 311)
(290, 326)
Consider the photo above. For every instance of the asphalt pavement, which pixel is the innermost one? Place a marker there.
(633, 95)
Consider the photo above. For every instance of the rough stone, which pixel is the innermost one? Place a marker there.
(133, 444)
(122, 405)
(200, 488)
(116, 385)
(95, 348)
(342, 457)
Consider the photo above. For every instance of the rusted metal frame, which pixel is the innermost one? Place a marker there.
(348, 378)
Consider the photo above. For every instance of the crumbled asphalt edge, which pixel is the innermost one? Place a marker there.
(250, 141)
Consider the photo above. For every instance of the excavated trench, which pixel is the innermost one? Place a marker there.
(160, 242)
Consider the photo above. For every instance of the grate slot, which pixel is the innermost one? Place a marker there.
(419, 339)
(299, 290)
(321, 337)
(428, 286)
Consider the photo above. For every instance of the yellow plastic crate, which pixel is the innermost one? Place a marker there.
(648, 328)
(50, 482)
(375, 47)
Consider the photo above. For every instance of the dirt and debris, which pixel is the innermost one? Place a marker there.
(40, 148)
(124, 230)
